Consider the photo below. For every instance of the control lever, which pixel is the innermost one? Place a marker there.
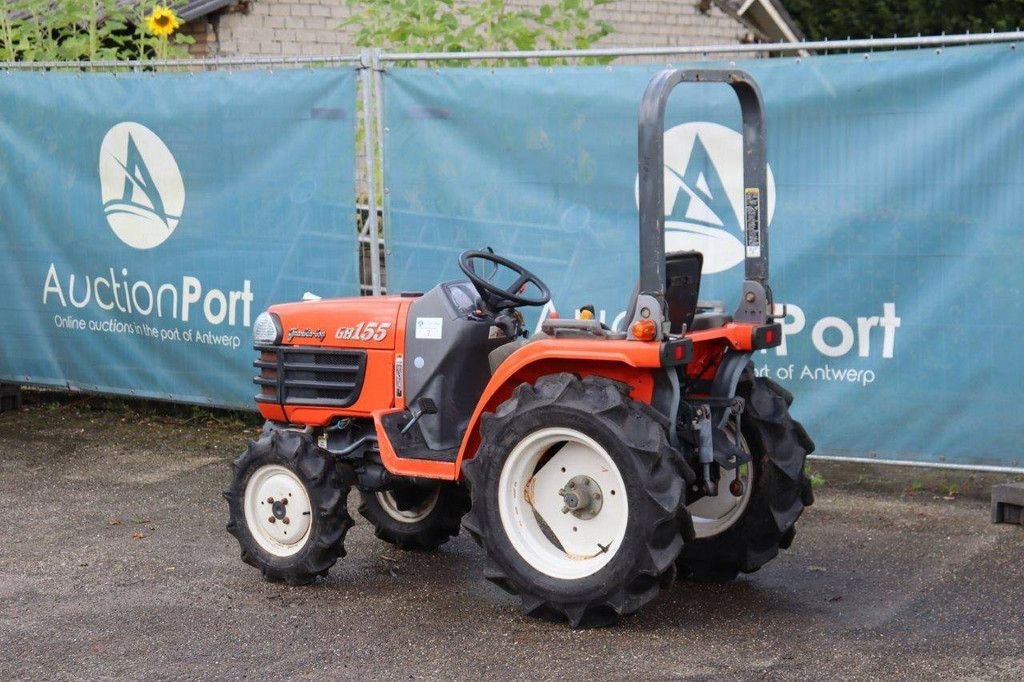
(423, 406)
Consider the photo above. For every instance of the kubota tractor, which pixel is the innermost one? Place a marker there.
(591, 465)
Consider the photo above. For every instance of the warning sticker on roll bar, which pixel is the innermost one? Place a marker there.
(752, 220)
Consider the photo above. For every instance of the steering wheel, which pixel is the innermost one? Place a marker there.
(495, 297)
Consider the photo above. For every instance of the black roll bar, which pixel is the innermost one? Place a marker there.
(755, 304)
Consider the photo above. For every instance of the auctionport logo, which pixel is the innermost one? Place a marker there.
(141, 186)
(704, 193)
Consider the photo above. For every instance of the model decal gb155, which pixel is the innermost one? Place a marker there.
(364, 331)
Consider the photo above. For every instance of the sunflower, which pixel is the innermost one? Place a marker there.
(162, 21)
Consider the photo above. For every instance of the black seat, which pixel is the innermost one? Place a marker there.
(682, 289)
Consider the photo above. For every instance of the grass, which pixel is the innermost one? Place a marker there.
(138, 409)
(817, 480)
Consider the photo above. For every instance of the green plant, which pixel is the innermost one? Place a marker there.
(460, 26)
(817, 480)
(83, 30)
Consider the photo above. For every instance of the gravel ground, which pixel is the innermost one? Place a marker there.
(115, 564)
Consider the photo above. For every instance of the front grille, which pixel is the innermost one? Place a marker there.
(302, 375)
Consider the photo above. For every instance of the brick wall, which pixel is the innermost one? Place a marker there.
(203, 32)
(310, 27)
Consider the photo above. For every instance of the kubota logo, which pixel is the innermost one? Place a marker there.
(704, 193)
(143, 193)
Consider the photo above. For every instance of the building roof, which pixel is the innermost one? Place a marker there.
(767, 18)
(198, 8)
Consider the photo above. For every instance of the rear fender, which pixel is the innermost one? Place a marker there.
(632, 362)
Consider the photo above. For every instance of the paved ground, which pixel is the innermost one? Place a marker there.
(114, 563)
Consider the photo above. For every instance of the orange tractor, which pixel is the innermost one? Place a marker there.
(591, 465)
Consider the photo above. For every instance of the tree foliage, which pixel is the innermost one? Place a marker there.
(838, 19)
(465, 26)
(83, 30)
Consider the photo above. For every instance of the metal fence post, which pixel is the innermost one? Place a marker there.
(378, 105)
(370, 228)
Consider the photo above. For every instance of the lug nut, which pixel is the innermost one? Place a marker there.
(272, 519)
(286, 520)
(284, 500)
(270, 500)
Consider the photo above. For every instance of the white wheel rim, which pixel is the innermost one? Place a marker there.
(716, 514)
(526, 492)
(414, 515)
(265, 495)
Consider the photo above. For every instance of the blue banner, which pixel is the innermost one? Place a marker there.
(895, 202)
(146, 219)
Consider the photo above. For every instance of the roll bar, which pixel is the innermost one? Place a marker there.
(755, 301)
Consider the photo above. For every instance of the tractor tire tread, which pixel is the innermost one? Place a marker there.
(328, 493)
(662, 472)
(443, 523)
(779, 447)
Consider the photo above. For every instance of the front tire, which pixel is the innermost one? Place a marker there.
(287, 508)
(415, 517)
(750, 533)
(577, 499)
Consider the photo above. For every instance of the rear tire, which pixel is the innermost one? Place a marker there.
(778, 494)
(592, 564)
(415, 517)
(284, 476)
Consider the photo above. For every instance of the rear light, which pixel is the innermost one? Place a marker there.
(767, 336)
(676, 352)
(644, 330)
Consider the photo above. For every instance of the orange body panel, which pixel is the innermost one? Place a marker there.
(376, 324)
(630, 362)
(627, 361)
(333, 317)
(422, 468)
(709, 345)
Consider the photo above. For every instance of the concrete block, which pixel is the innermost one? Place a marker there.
(10, 397)
(1008, 503)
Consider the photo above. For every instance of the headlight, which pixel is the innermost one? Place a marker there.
(266, 330)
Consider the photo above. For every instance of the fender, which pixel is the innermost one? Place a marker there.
(631, 362)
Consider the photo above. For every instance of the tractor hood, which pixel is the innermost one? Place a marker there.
(363, 322)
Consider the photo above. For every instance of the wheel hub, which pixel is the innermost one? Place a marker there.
(278, 510)
(582, 497)
(553, 485)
